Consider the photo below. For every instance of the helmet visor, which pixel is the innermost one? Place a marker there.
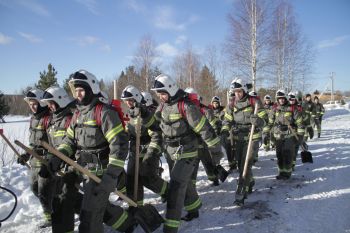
(158, 85)
(31, 95)
(235, 85)
(78, 75)
(126, 95)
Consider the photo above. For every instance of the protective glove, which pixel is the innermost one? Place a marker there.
(254, 120)
(147, 164)
(44, 172)
(70, 178)
(53, 166)
(107, 184)
(23, 158)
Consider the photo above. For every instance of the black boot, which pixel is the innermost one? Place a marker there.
(190, 216)
(45, 224)
(240, 194)
(319, 135)
(215, 182)
(251, 185)
(233, 167)
(147, 216)
(221, 172)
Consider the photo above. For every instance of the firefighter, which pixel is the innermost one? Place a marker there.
(219, 113)
(148, 175)
(282, 120)
(309, 116)
(99, 143)
(180, 122)
(268, 139)
(256, 150)
(318, 117)
(149, 101)
(239, 117)
(211, 164)
(43, 188)
(67, 199)
(294, 103)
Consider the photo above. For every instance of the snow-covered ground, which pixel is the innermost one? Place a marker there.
(315, 199)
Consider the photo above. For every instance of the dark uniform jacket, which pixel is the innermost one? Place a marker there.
(98, 147)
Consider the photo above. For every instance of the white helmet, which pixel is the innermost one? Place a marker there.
(147, 98)
(58, 95)
(191, 90)
(166, 84)
(236, 84)
(267, 97)
(291, 96)
(280, 94)
(216, 99)
(253, 93)
(131, 92)
(84, 77)
(104, 97)
(35, 94)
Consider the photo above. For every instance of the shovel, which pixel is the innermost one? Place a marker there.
(242, 193)
(10, 145)
(147, 216)
(306, 156)
(35, 155)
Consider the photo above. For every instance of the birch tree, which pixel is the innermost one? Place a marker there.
(186, 67)
(247, 43)
(144, 59)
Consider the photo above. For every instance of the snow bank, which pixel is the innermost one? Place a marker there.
(315, 199)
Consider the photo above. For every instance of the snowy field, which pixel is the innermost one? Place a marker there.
(315, 199)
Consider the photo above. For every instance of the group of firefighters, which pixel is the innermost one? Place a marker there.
(181, 128)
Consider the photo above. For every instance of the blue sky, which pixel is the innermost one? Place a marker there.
(102, 36)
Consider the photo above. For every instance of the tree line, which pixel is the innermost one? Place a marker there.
(264, 45)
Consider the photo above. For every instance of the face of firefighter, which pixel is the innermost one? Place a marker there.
(267, 101)
(292, 101)
(216, 105)
(239, 93)
(163, 96)
(52, 106)
(130, 103)
(308, 98)
(282, 101)
(79, 93)
(33, 105)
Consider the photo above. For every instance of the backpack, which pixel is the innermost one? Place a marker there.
(115, 104)
(190, 97)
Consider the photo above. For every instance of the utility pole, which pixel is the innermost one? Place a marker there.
(332, 86)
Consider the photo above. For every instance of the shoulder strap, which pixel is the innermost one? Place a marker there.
(75, 116)
(46, 121)
(97, 114)
(68, 120)
(181, 107)
(292, 107)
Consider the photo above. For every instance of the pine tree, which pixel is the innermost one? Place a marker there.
(66, 86)
(207, 85)
(4, 108)
(47, 79)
